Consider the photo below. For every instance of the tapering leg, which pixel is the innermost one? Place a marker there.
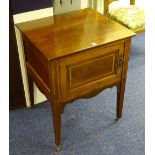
(62, 108)
(56, 110)
(31, 91)
(120, 98)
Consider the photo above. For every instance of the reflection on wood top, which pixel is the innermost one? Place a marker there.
(68, 33)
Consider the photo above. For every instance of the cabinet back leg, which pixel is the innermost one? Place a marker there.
(31, 91)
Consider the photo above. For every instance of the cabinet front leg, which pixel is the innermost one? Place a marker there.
(120, 98)
(56, 111)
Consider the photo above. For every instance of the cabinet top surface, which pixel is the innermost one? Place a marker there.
(68, 33)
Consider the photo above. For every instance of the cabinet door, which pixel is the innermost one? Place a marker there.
(16, 91)
(91, 69)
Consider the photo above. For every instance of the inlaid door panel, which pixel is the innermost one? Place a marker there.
(90, 69)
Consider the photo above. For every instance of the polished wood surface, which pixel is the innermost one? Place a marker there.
(56, 36)
(76, 55)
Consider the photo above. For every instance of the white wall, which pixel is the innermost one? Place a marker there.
(141, 3)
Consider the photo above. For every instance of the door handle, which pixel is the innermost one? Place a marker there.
(120, 60)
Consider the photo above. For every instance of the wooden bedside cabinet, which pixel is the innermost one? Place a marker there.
(75, 55)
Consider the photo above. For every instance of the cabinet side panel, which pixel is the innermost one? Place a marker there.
(36, 61)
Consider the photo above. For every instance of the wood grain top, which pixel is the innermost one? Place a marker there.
(68, 33)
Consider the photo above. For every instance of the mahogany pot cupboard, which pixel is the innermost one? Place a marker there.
(75, 55)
